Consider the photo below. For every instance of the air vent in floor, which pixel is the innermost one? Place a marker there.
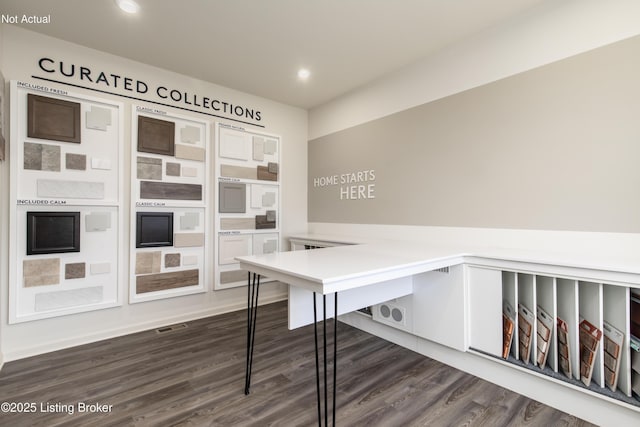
(171, 328)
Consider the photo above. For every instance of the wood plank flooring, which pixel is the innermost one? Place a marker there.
(195, 377)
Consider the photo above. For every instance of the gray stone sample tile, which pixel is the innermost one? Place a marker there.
(271, 216)
(148, 262)
(173, 169)
(41, 272)
(76, 161)
(76, 270)
(269, 199)
(149, 168)
(51, 158)
(171, 260)
(32, 156)
(273, 167)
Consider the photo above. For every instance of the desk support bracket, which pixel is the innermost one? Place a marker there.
(253, 286)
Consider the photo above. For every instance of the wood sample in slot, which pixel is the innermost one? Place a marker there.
(525, 332)
(590, 337)
(563, 347)
(613, 341)
(545, 332)
(508, 326)
(265, 174)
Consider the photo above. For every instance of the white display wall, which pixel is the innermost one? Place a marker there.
(78, 179)
(169, 175)
(247, 202)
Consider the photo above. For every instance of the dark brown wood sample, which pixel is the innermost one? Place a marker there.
(156, 136)
(170, 190)
(264, 174)
(262, 222)
(51, 118)
(163, 281)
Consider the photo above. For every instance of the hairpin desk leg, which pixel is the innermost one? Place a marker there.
(253, 286)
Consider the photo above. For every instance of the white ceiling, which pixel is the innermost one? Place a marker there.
(257, 46)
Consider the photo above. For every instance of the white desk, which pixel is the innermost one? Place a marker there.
(375, 272)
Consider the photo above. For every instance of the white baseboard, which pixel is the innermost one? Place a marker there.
(140, 327)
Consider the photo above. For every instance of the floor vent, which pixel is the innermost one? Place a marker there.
(442, 270)
(171, 328)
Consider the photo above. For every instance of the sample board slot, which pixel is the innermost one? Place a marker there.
(527, 298)
(590, 294)
(546, 296)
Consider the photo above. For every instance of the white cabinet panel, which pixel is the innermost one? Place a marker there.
(485, 309)
(438, 307)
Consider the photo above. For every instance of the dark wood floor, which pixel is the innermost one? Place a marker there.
(195, 377)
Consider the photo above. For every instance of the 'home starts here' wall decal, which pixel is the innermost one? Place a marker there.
(352, 186)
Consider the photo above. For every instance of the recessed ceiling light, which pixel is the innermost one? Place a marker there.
(303, 74)
(129, 6)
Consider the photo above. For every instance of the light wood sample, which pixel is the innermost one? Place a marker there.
(238, 172)
(237, 223)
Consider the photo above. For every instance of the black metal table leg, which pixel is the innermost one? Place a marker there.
(325, 361)
(253, 286)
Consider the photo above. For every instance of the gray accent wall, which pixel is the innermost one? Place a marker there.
(555, 148)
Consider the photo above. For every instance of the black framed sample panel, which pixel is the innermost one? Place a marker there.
(156, 136)
(53, 232)
(233, 197)
(154, 229)
(51, 118)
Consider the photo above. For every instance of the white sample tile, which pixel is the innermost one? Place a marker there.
(265, 243)
(189, 260)
(100, 268)
(102, 164)
(190, 134)
(70, 189)
(189, 172)
(258, 148)
(98, 118)
(232, 246)
(263, 196)
(270, 146)
(46, 301)
(189, 221)
(97, 221)
(234, 146)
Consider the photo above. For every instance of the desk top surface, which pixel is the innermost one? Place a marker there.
(331, 265)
